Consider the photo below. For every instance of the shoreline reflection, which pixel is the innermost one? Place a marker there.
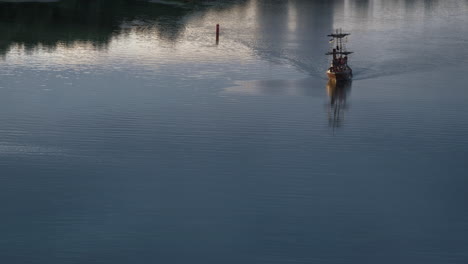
(33, 25)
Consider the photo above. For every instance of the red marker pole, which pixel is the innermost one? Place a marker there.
(217, 34)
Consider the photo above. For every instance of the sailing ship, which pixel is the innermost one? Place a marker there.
(339, 69)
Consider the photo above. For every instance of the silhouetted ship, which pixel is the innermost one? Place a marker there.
(339, 69)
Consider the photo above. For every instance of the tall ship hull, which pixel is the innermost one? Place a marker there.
(345, 75)
(339, 68)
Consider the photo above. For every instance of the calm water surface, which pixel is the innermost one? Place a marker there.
(128, 136)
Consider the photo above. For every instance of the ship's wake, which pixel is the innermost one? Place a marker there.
(364, 70)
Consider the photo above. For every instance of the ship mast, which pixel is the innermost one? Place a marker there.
(340, 48)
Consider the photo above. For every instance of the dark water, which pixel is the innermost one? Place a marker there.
(128, 136)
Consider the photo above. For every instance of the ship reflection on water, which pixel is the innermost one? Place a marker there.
(337, 106)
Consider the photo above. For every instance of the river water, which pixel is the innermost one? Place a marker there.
(128, 136)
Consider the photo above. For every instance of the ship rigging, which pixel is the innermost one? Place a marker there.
(339, 69)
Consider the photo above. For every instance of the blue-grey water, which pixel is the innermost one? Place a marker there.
(128, 136)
